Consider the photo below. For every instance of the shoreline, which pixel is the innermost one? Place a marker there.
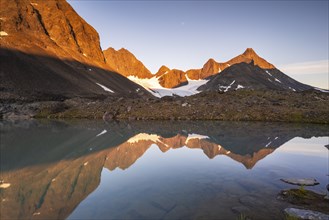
(241, 105)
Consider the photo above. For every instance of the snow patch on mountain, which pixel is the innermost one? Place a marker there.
(277, 80)
(226, 88)
(105, 88)
(292, 89)
(103, 132)
(268, 72)
(3, 33)
(4, 185)
(154, 87)
(321, 90)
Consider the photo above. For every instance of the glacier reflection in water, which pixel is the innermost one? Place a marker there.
(154, 170)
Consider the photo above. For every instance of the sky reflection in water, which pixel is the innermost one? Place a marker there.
(155, 170)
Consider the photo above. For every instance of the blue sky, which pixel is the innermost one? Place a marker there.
(293, 35)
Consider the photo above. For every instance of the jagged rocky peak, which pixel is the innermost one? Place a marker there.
(171, 78)
(249, 52)
(246, 75)
(251, 56)
(194, 74)
(53, 23)
(125, 63)
(163, 69)
(210, 67)
(211, 61)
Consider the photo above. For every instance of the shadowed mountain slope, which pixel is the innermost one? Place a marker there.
(48, 50)
(250, 76)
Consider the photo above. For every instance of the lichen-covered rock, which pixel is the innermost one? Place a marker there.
(306, 214)
(301, 181)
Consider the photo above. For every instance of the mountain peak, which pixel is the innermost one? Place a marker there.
(211, 60)
(163, 69)
(250, 56)
(209, 68)
(125, 63)
(249, 52)
(122, 49)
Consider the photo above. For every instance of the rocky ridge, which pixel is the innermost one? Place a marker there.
(125, 63)
(171, 78)
(211, 67)
(49, 52)
(252, 77)
(248, 70)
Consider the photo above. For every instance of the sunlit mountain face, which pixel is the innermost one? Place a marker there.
(52, 169)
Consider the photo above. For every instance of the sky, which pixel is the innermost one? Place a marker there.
(292, 35)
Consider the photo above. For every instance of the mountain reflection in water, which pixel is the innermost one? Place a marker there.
(52, 166)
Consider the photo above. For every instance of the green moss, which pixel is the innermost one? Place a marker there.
(301, 194)
(296, 117)
(242, 217)
(290, 217)
(43, 113)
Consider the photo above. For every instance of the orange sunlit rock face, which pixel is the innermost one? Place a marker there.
(125, 63)
(48, 50)
(51, 25)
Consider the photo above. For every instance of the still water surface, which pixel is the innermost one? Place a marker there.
(155, 170)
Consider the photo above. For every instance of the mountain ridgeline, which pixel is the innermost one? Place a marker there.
(246, 71)
(48, 52)
(52, 65)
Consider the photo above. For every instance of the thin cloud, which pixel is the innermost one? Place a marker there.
(312, 67)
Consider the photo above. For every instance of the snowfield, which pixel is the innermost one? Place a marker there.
(154, 87)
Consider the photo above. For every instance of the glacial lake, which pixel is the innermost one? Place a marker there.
(155, 170)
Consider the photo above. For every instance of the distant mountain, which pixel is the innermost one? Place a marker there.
(249, 71)
(211, 67)
(48, 52)
(125, 63)
(250, 76)
(245, 71)
(250, 56)
(171, 78)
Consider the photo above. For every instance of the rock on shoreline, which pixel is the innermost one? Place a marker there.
(305, 214)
